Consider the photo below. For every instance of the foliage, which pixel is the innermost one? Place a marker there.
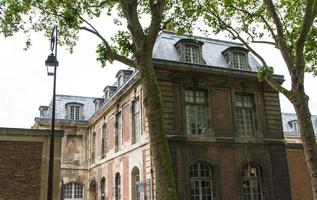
(132, 45)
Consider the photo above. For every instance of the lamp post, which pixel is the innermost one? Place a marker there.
(50, 63)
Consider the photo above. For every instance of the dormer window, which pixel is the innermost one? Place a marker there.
(295, 126)
(239, 60)
(123, 76)
(120, 80)
(108, 92)
(74, 111)
(191, 53)
(190, 50)
(237, 57)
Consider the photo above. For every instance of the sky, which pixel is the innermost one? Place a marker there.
(24, 84)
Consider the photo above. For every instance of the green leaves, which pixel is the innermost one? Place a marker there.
(264, 72)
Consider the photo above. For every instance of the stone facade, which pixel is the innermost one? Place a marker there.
(24, 156)
(224, 129)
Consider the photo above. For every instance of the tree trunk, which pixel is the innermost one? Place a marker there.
(308, 137)
(165, 185)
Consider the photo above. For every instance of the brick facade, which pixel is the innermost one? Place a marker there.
(24, 164)
(20, 170)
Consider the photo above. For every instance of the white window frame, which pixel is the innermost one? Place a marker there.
(191, 53)
(239, 60)
(199, 181)
(196, 107)
(245, 126)
(252, 182)
(73, 184)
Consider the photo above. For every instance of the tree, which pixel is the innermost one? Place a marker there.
(132, 46)
(291, 26)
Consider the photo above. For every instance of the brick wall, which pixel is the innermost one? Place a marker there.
(20, 170)
(299, 177)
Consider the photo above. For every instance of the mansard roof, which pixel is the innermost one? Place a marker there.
(211, 49)
(63, 100)
(288, 118)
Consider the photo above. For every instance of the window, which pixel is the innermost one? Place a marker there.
(245, 115)
(74, 112)
(191, 53)
(118, 132)
(136, 121)
(73, 191)
(136, 189)
(120, 80)
(93, 142)
(252, 182)
(239, 61)
(195, 112)
(295, 127)
(201, 187)
(118, 187)
(104, 141)
(103, 188)
(190, 50)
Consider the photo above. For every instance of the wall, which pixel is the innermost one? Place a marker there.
(24, 156)
(299, 176)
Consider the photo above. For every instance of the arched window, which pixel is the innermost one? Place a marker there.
(118, 187)
(252, 182)
(200, 175)
(135, 180)
(93, 190)
(103, 188)
(73, 191)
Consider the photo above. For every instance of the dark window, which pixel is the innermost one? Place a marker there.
(245, 115)
(103, 188)
(136, 121)
(118, 132)
(104, 141)
(118, 187)
(201, 185)
(196, 122)
(93, 142)
(252, 182)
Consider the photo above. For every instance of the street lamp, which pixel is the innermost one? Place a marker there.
(51, 63)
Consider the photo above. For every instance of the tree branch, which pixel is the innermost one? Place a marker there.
(264, 42)
(129, 8)
(155, 26)
(262, 18)
(275, 85)
(306, 27)
(286, 52)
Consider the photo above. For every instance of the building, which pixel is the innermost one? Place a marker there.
(299, 175)
(24, 158)
(224, 129)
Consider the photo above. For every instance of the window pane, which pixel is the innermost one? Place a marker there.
(239, 61)
(68, 191)
(200, 181)
(245, 115)
(191, 53)
(252, 182)
(78, 191)
(196, 112)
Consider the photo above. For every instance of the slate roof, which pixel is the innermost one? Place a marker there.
(164, 49)
(287, 118)
(211, 49)
(62, 100)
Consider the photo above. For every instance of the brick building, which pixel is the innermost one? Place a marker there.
(24, 157)
(299, 176)
(224, 129)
